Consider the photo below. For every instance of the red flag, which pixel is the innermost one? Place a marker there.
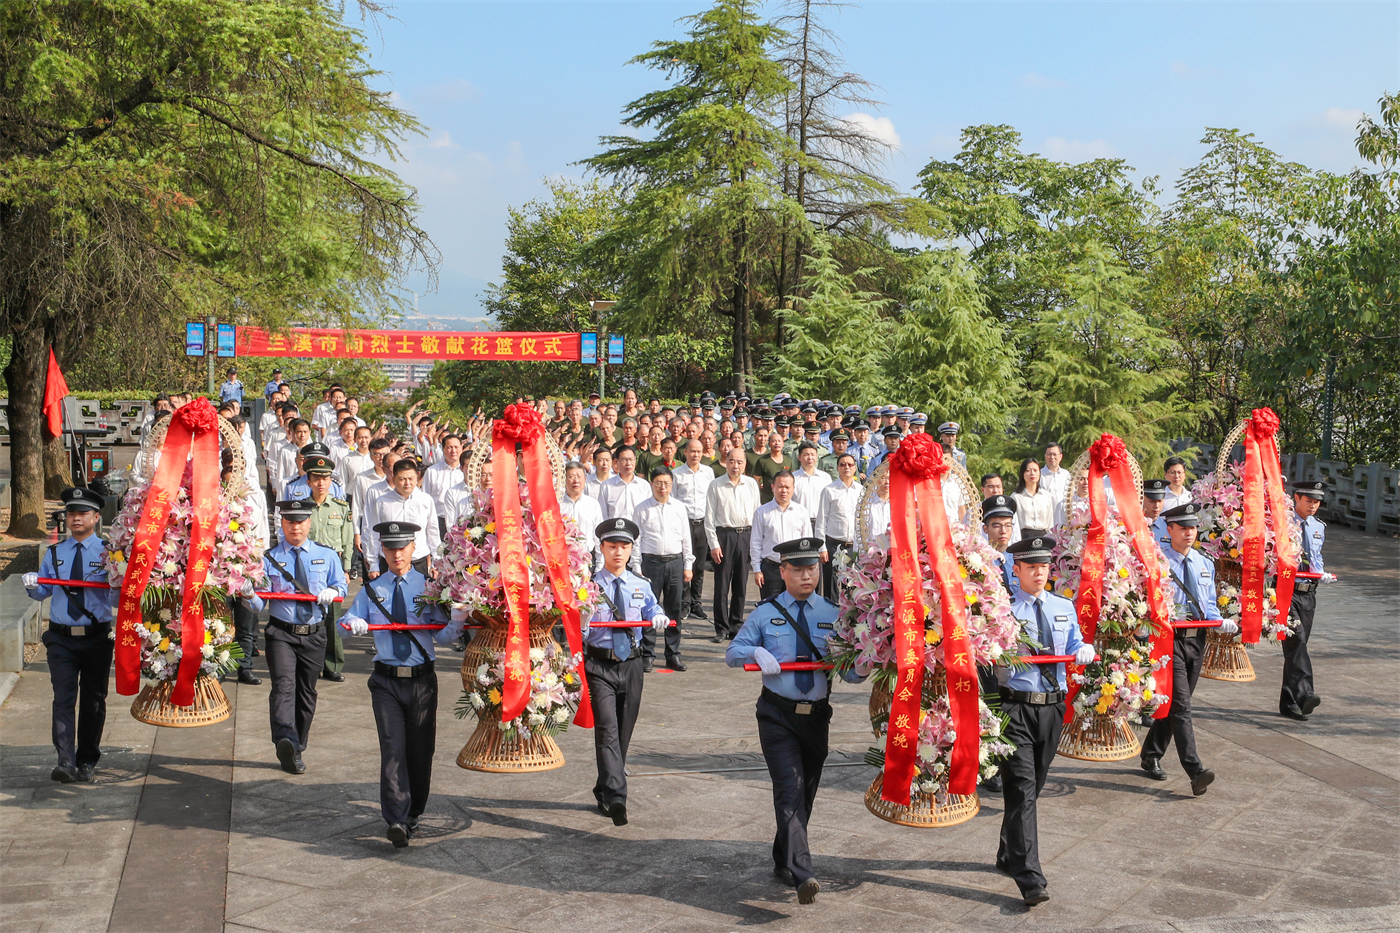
(55, 390)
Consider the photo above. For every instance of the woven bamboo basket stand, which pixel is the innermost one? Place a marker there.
(488, 749)
(1225, 657)
(153, 706)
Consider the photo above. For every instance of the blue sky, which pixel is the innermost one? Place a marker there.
(513, 93)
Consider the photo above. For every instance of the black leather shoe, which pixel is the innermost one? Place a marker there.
(676, 664)
(412, 825)
(785, 876)
(335, 677)
(1035, 896)
(1153, 769)
(245, 676)
(86, 772)
(992, 784)
(618, 812)
(1201, 780)
(298, 765)
(717, 639)
(807, 891)
(398, 834)
(64, 774)
(1004, 868)
(1293, 712)
(1309, 704)
(288, 755)
(646, 665)
(699, 614)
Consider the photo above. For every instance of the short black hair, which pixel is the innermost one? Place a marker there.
(662, 470)
(379, 443)
(987, 476)
(1056, 445)
(787, 473)
(1173, 461)
(296, 423)
(407, 463)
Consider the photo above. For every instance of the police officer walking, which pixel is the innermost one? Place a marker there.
(1297, 699)
(612, 660)
(794, 712)
(332, 525)
(78, 641)
(295, 637)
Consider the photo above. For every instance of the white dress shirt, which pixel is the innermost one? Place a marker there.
(807, 488)
(1055, 482)
(352, 465)
(266, 425)
(586, 511)
(1035, 511)
(836, 511)
(594, 486)
(772, 526)
(324, 418)
(455, 503)
(285, 460)
(438, 480)
(879, 510)
(729, 505)
(418, 508)
(373, 491)
(619, 499)
(1174, 499)
(691, 487)
(358, 491)
(665, 529)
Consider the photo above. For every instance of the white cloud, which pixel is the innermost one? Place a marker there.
(881, 128)
(442, 140)
(1341, 118)
(1072, 150)
(1040, 82)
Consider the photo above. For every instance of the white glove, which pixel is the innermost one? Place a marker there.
(659, 624)
(327, 596)
(459, 614)
(1084, 655)
(357, 626)
(1328, 578)
(30, 580)
(247, 589)
(765, 661)
(1229, 627)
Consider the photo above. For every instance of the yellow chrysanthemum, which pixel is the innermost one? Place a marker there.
(1133, 654)
(1133, 677)
(962, 572)
(1101, 706)
(208, 637)
(153, 626)
(1234, 552)
(490, 528)
(164, 644)
(1122, 573)
(233, 526)
(971, 598)
(1147, 694)
(1108, 689)
(493, 696)
(474, 569)
(583, 592)
(118, 557)
(931, 637)
(1069, 594)
(568, 678)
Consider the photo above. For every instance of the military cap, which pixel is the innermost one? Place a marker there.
(1154, 489)
(318, 464)
(800, 552)
(949, 427)
(396, 534)
(892, 431)
(995, 506)
(618, 529)
(1033, 548)
(812, 427)
(860, 425)
(781, 421)
(919, 418)
(728, 403)
(872, 411)
(1185, 514)
(315, 448)
(889, 410)
(1313, 489)
(743, 399)
(906, 412)
(790, 403)
(82, 499)
(296, 510)
(838, 435)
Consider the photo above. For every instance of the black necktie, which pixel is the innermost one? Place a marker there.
(1049, 673)
(304, 608)
(622, 637)
(403, 642)
(1189, 579)
(805, 679)
(77, 601)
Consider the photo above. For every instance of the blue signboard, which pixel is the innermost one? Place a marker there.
(227, 333)
(614, 348)
(194, 338)
(588, 348)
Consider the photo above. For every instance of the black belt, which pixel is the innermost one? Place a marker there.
(1034, 699)
(1304, 586)
(606, 654)
(80, 631)
(663, 558)
(800, 707)
(295, 628)
(403, 670)
(697, 521)
(739, 528)
(839, 543)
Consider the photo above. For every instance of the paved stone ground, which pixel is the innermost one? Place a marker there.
(1301, 831)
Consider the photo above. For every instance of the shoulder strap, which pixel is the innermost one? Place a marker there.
(1200, 613)
(72, 592)
(379, 604)
(800, 630)
(617, 613)
(289, 578)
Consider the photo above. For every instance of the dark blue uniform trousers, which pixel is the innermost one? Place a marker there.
(79, 668)
(795, 748)
(615, 693)
(1035, 731)
(405, 713)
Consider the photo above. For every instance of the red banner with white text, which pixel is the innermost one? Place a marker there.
(317, 342)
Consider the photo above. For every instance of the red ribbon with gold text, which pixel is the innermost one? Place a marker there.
(916, 485)
(522, 424)
(1263, 478)
(1108, 456)
(194, 429)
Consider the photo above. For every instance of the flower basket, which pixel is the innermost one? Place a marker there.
(1225, 657)
(153, 706)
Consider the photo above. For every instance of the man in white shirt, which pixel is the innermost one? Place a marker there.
(836, 518)
(268, 421)
(692, 482)
(776, 521)
(581, 507)
(730, 503)
(299, 435)
(403, 502)
(666, 561)
(808, 481)
(356, 460)
(323, 418)
(440, 478)
(621, 493)
(344, 440)
(602, 472)
(1178, 493)
(878, 507)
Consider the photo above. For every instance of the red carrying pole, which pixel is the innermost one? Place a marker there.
(296, 597)
(670, 623)
(1198, 623)
(82, 584)
(795, 666)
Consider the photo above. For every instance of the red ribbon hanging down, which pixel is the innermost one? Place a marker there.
(916, 484)
(1263, 478)
(521, 423)
(1108, 456)
(193, 429)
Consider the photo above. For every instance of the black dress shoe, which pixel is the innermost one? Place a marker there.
(335, 677)
(298, 765)
(1293, 712)
(1004, 868)
(1036, 895)
(412, 825)
(288, 755)
(398, 834)
(618, 812)
(1309, 704)
(807, 891)
(646, 665)
(86, 772)
(785, 875)
(64, 774)
(676, 664)
(699, 614)
(245, 676)
(1201, 780)
(993, 784)
(1153, 769)
(717, 639)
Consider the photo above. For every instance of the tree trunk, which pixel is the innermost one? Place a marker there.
(24, 377)
(58, 475)
(740, 307)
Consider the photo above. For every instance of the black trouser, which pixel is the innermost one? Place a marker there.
(405, 713)
(615, 693)
(701, 550)
(731, 580)
(420, 564)
(833, 547)
(1186, 670)
(1297, 665)
(245, 632)
(772, 579)
(795, 748)
(335, 645)
(668, 584)
(1035, 731)
(79, 667)
(294, 662)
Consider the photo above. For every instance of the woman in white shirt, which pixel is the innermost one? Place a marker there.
(1035, 507)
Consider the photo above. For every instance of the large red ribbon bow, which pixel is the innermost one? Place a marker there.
(1263, 478)
(1108, 456)
(193, 436)
(916, 484)
(521, 424)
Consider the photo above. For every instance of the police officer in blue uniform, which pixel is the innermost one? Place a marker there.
(893, 436)
(1297, 699)
(998, 518)
(1033, 699)
(612, 661)
(1154, 496)
(300, 487)
(794, 712)
(403, 688)
(1193, 592)
(79, 638)
(294, 639)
